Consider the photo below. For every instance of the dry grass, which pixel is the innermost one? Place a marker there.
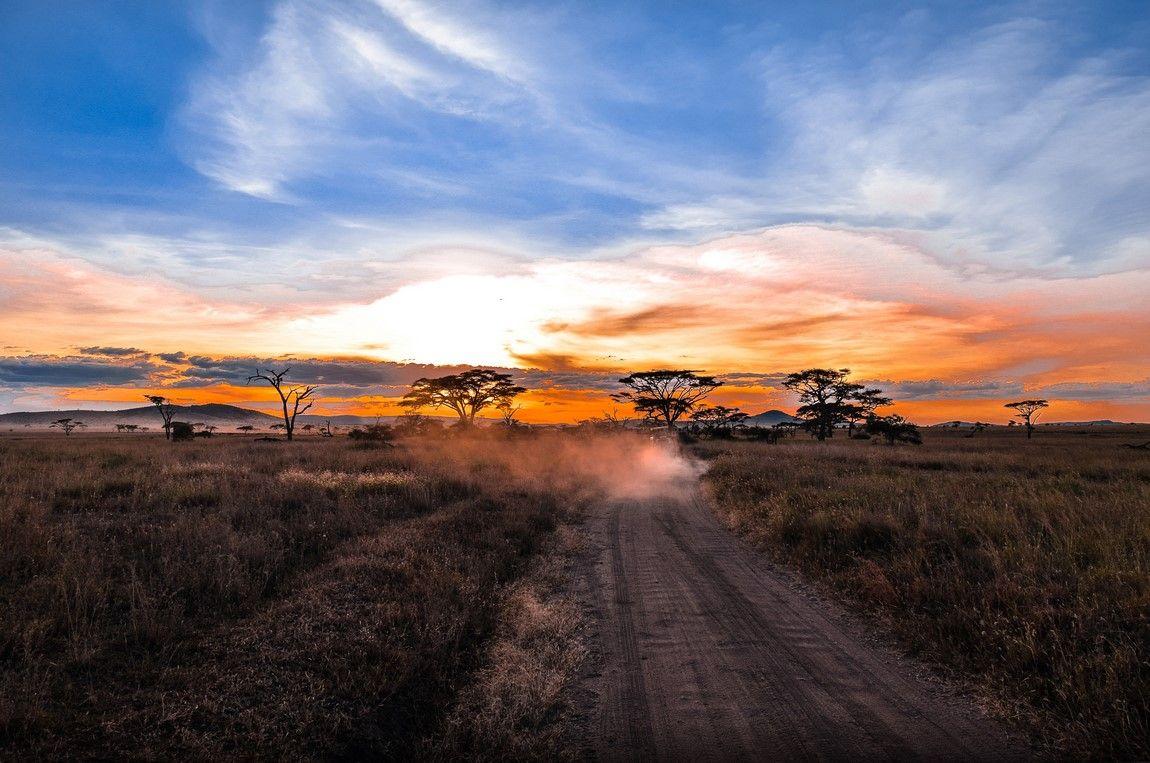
(224, 597)
(518, 706)
(1025, 566)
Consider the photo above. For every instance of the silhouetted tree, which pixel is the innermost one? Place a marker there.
(609, 421)
(861, 405)
(507, 415)
(167, 411)
(465, 393)
(826, 398)
(978, 427)
(894, 429)
(290, 397)
(1027, 411)
(325, 430)
(664, 396)
(67, 425)
(719, 420)
(245, 428)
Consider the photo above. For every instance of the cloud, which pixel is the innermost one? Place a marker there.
(115, 352)
(339, 87)
(54, 371)
(1003, 152)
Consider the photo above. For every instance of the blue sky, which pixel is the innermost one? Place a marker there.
(557, 127)
(330, 156)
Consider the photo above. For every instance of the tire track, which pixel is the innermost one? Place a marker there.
(709, 654)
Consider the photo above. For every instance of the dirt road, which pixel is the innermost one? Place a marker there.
(705, 652)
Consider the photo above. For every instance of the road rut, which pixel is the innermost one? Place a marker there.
(705, 652)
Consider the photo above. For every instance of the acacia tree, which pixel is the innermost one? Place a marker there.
(894, 429)
(719, 419)
(1027, 411)
(826, 398)
(167, 411)
(862, 405)
(291, 398)
(68, 425)
(665, 396)
(465, 393)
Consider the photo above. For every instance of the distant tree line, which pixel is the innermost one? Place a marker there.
(829, 402)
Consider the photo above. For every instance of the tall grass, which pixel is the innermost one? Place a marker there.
(1024, 565)
(223, 597)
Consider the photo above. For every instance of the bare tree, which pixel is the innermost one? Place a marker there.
(68, 425)
(507, 415)
(291, 398)
(325, 430)
(466, 393)
(167, 411)
(665, 396)
(1027, 411)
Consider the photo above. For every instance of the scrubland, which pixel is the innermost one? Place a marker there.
(1022, 566)
(322, 598)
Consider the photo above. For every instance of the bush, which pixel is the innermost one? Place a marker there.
(182, 431)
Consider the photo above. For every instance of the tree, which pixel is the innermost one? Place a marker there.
(825, 396)
(862, 405)
(290, 397)
(245, 428)
(167, 411)
(68, 425)
(719, 420)
(325, 430)
(507, 415)
(663, 397)
(895, 429)
(610, 421)
(127, 427)
(1027, 411)
(465, 393)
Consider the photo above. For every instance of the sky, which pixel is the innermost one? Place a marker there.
(953, 201)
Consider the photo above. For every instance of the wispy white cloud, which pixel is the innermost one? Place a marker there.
(337, 88)
(1005, 152)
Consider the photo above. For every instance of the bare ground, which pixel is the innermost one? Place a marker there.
(704, 651)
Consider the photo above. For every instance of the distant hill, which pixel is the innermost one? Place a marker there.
(769, 418)
(218, 414)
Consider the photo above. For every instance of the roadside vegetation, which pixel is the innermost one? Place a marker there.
(1023, 566)
(327, 598)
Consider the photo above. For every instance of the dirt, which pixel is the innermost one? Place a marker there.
(704, 650)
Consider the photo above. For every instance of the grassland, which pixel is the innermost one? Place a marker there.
(1023, 566)
(322, 598)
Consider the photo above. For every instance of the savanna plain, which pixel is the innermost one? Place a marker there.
(333, 598)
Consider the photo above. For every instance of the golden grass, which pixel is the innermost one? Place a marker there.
(1025, 566)
(227, 597)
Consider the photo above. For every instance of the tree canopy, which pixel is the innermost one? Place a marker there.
(467, 393)
(665, 396)
(1027, 411)
(719, 419)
